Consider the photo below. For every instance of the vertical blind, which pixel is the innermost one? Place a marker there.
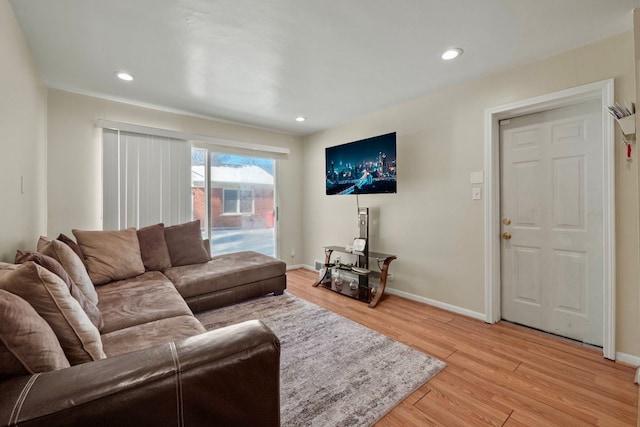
(146, 180)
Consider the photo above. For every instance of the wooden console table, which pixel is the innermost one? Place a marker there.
(365, 291)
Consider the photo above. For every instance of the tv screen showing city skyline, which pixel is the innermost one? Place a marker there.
(367, 166)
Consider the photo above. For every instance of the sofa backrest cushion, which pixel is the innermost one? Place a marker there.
(72, 264)
(153, 248)
(56, 268)
(185, 244)
(207, 247)
(51, 299)
(27, 343)
(72, 244)
(110, 255)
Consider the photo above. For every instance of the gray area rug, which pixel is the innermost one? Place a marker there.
(333, 371)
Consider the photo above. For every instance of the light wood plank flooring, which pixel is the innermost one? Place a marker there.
(501, 374)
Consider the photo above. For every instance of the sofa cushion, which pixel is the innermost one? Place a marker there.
(56, 268)
(224, 272)
(27, 343)
(45, 261)
(207, 247)
(185, 244)
(151, 333)
(110, 255)
(153, 248)
(51, 299)
(72, 264)
(145, 298)
(72, 244)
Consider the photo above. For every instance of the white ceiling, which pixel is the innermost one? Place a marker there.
(264, 62)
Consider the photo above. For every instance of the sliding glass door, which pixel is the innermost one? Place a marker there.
(234, 197)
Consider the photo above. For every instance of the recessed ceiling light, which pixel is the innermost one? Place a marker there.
(123, 75)
(300, 119)
(452, 53)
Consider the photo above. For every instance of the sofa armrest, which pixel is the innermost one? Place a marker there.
(229, 376)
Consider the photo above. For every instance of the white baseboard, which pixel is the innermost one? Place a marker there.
(438, 304)
(296, 266)
(629, 359)
(434, 303)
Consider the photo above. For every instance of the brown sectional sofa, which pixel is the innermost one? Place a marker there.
(221, 282)
(161, 366)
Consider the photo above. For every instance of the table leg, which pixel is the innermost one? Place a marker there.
(325, 269)
(384, 271)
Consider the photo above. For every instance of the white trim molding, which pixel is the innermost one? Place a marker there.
(129, 127)
(629, 359)
(602, 90)
(418, 298)
(438, 304)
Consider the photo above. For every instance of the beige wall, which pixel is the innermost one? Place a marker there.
(74, 160)
(432, 224)
(22, 142)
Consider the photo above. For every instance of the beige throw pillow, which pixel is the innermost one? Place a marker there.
(71, 263)
(153, 248)
(51, 299)
(27, 343)
(110, 255)
(56, 268)
(73, 245)
(185, 244)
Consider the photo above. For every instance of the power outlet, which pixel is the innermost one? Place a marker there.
(476, 193)
(293, 253)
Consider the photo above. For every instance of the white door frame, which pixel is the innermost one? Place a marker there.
(599, 90)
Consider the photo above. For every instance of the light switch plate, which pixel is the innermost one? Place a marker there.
(477, 177)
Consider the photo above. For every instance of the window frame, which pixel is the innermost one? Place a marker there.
(238, 207)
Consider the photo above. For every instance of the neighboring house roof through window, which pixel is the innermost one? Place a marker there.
(248, 174)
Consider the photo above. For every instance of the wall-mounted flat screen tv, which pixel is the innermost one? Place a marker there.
(367, 166)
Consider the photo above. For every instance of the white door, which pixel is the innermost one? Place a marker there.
(552, 211)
